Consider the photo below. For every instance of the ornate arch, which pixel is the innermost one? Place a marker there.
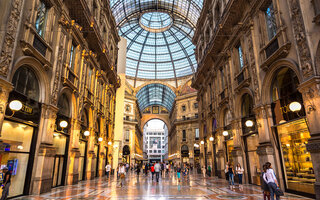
(41, 74)
(267, 81)
(72, 99)
(238, 100)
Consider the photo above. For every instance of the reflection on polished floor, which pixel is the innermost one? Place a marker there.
(144, 188)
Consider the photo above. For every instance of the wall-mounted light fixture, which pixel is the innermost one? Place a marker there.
(211, 139)
(86, 133)
(15, 106)
(225, 133)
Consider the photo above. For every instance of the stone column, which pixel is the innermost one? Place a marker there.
(44, 158)
(221, 160)
(237, 152)
(5, 89)
(102, 157)
(74, 153)
(91, 156)
(311, 97)
(267, 150)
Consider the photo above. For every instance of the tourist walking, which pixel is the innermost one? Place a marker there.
(231, 174)
(178, 172)
(152, 171)
(6, 183)
(138, 170)
(209, 170)
(122, 174)
(157, 169)
(204, 171)
(226, 170)
(264, 185)
(270, 178)
(108, 169)
(239, 172)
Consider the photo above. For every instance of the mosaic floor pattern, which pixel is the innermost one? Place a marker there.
(144, 188)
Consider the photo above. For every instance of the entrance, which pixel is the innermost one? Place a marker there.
(82, 160)
(61, 142)
(126, 154)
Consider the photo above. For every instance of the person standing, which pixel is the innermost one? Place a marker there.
(227, 172)
(264, 185)
(270, 178)
(204, 171)
(231, 174)
(157, 169)
(138, 170)
(178, 172)
(152, 171)
(209, 170)
(122, 174)
(108, 169)
(6, 183)
(239, 172)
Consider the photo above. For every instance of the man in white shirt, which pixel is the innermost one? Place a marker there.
(108, 168)
(157, 169)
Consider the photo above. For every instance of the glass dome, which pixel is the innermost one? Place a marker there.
(159, 35)
(155, 22)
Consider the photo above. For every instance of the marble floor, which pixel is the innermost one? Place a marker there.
(143, 187)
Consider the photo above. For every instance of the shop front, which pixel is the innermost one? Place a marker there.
(61, 142)
(126, 154)
(20, 130)
(251, 139)
(185, 154)
(292, 133)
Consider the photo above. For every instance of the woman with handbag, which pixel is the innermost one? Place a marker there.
(122, 174)
(273, 185)
(264, 185)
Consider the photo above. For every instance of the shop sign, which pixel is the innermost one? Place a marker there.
(30, 110)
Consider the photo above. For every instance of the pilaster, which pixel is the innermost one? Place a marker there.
(5, 89)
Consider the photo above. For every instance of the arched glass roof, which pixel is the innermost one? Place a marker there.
(159, 34)
(155, 94)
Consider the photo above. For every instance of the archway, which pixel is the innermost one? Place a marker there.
(155, 140)
(126, 154)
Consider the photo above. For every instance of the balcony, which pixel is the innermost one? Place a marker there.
(242, 79)
(129, 120)
(223, 96)
(88, 96)
(278, 47)
(70, 78)
(186, 119)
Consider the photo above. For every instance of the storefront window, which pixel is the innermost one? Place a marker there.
(297, 162)
(59, 142)
(229, 144)
(15, 143)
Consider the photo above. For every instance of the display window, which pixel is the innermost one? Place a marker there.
(229, 146)
(15, 142)
(299, 172)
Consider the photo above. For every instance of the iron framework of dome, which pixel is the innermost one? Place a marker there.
(159, 34)
(155, 94)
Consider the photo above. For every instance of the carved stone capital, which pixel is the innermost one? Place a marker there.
(265, 149)
(46, 150)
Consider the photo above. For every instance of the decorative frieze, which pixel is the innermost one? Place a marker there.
(10, 37)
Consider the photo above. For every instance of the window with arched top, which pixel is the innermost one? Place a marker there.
(246, 106)
(25, 82)
(64, 106)
(84, 119)
(227, 117)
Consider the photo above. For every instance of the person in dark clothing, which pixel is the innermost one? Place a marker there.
(6, 183)
(138, 170)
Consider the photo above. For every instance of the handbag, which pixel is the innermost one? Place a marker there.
(122, 175)
(279, 192)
